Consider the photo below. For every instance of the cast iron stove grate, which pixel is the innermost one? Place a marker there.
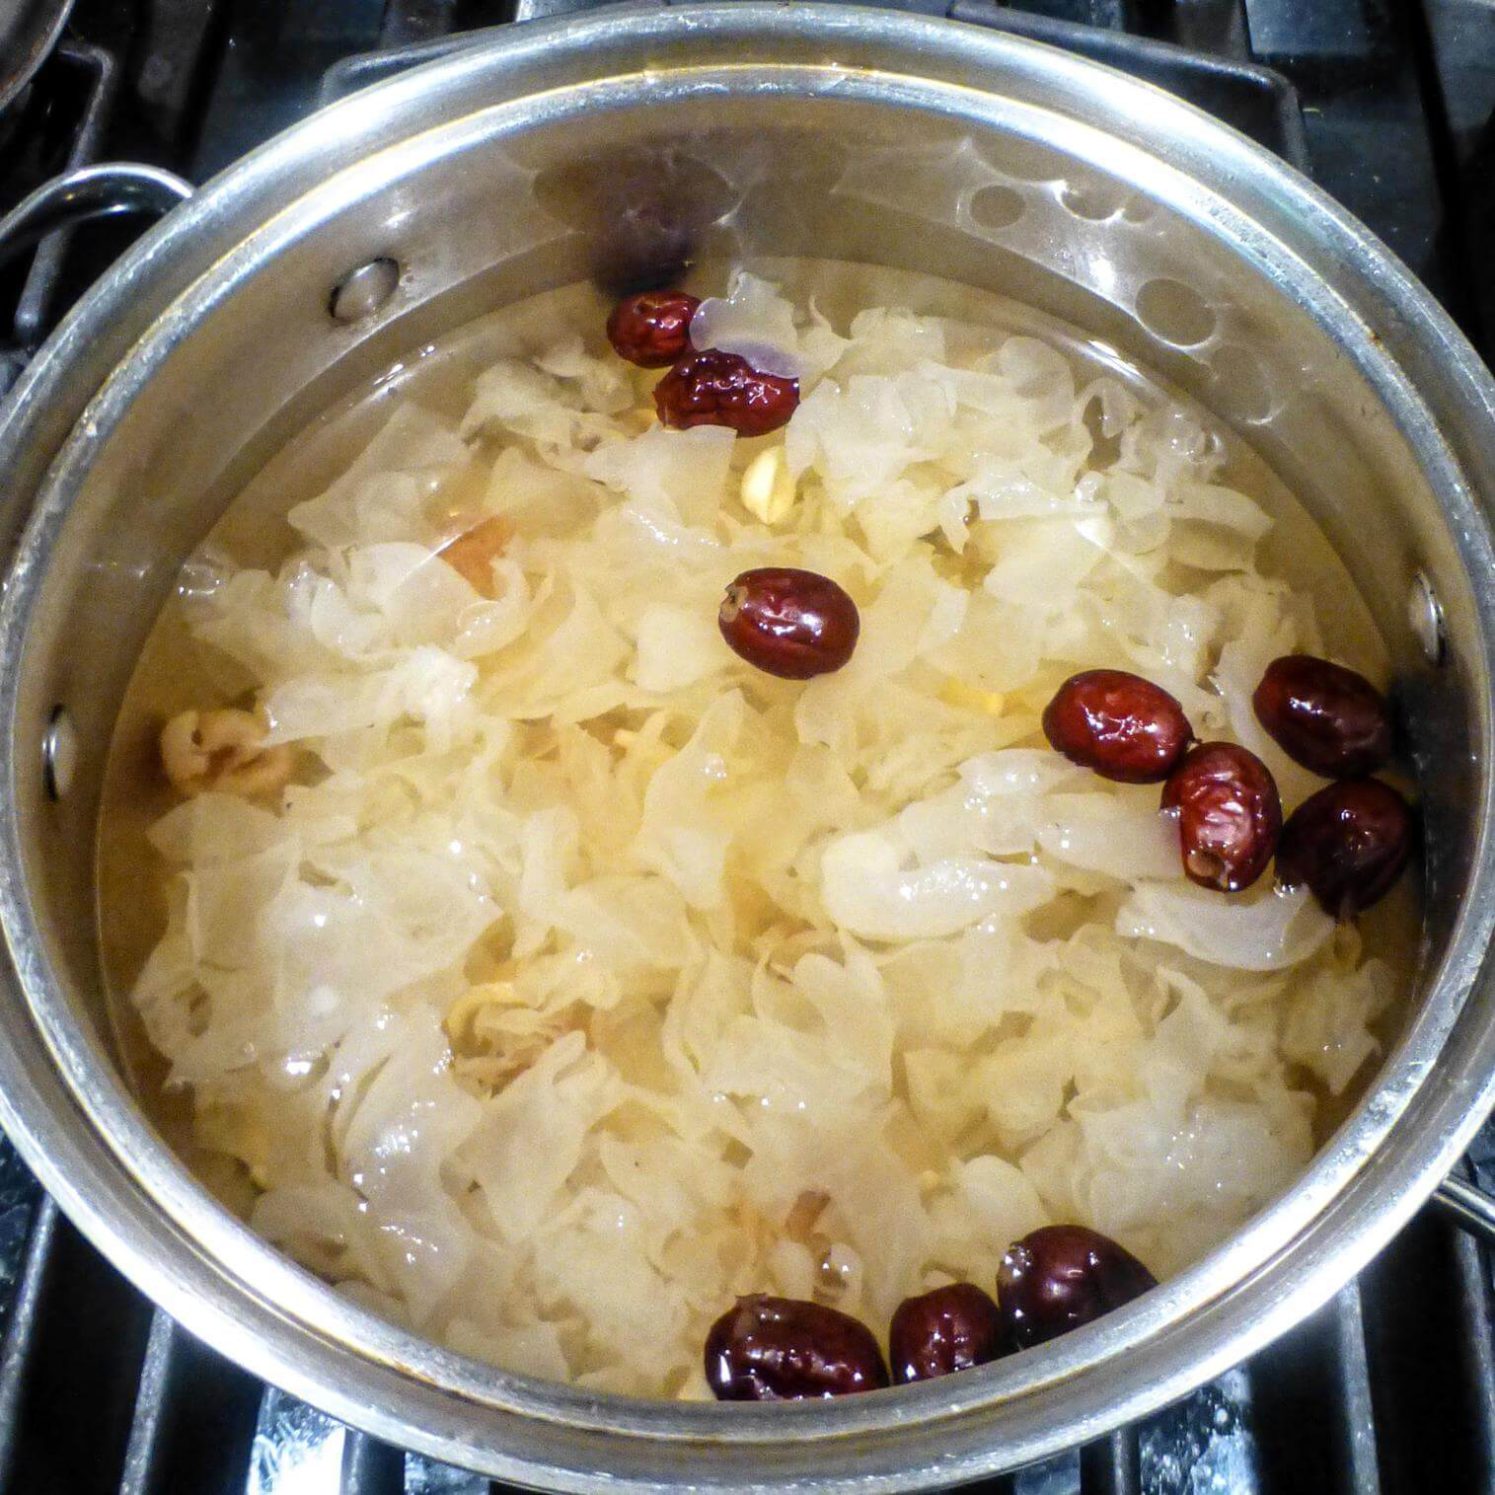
(1390, 104)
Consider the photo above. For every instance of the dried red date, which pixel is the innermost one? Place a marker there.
(1062, 1276)
(652, 329)
(1229, 815)
(724, 389)
(1122, 726)
(949, 1329)
(1349, 843)
(789, 623)
(782, 1349)
(1331, 720)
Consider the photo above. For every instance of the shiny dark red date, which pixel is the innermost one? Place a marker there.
(1062, 1276)
(1349, 843)
(1229, 815)
(949, 1329)
(1331, 720)
(1123, 727)
(783, 1349)
(723, 389)
(790, 623)
(652, 328)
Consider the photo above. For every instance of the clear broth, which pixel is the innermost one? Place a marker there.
(172, 676)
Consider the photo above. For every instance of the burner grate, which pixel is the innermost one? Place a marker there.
(1388, 1390)
(1257, 101)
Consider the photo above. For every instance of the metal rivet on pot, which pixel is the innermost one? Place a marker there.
(59, 753)
(361, 292)
(1425, 616)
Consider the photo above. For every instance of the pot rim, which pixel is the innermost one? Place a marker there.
(128, 1193)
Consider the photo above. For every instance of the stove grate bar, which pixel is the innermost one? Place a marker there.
(371, 1467)
(1351, 1398)
(1475, 1348)
(1307, 1406)
(143, 1454)
(21, 1332)
(1254, 99)
(1112, 1466)
(194, 1418)
(70, 1367)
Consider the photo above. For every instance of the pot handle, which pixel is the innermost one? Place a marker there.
(1468, 1207)
(90, 192)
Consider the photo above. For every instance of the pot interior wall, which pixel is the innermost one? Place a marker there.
(505, 202)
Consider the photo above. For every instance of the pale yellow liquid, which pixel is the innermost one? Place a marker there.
(172, 676)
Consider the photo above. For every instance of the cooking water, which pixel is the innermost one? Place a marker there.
(176, 674)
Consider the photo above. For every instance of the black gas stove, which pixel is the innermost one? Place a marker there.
(1390, 106)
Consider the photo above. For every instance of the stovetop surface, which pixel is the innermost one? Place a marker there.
(1391, 1388)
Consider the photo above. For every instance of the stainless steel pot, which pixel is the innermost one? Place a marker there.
(600, 146)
